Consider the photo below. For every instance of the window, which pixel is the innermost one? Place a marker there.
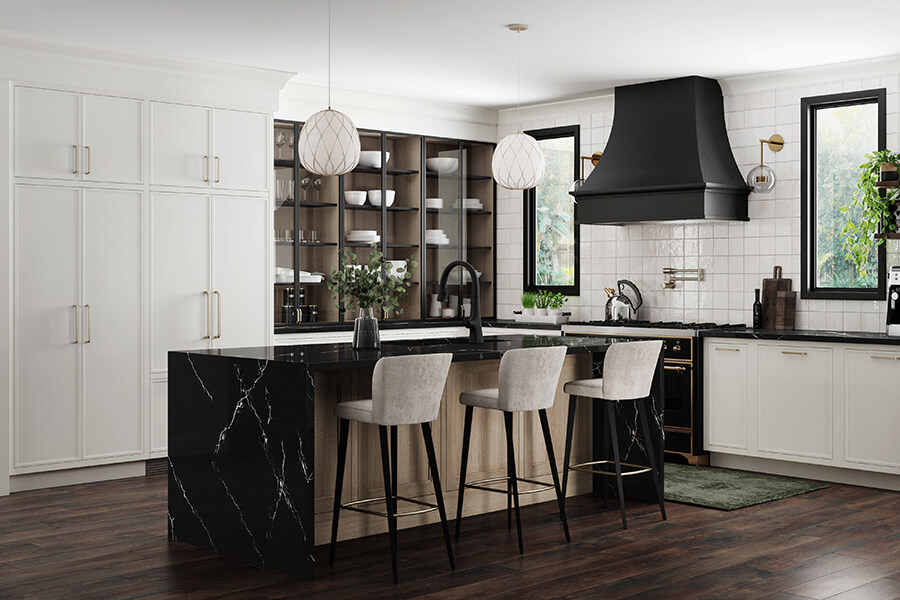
(551, 237)
(836, 132)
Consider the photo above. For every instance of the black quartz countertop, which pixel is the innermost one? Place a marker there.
(281, 329)
(322, 357)
(804, 335)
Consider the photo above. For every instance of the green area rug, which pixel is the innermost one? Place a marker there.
(726, 489)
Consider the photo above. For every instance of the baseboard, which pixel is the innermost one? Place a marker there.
(883, 481)
(51, 479)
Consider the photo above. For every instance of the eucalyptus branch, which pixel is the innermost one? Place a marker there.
(365, 285)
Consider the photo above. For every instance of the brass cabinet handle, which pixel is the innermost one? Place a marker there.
(87, 309)
(218, 314)
(218, 170)
(794, 353)
(75, 306)
(885, 357)
(297, 311)
(676, 369)
(87, 156)
(727, 349)
(208, 316)
(206, 158)
(75, 168)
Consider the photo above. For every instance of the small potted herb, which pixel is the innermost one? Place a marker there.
(528, 303)
(541, 302)
(555, 302)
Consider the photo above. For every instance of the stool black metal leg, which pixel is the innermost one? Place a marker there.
(651, 453)
(509, 494)
(343, 434)
(394, 477)
(438, 494)
(392, 519)
(545, 425)
(511, 467)
(611, 418)
(567, 457)
(467, 434)
(607, 454)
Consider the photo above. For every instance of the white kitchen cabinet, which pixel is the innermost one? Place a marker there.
(872, 412)
(78, 137)
(78, 395)
(200, 147)
(727, 402)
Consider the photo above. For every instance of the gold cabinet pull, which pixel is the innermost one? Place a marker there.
(206, 158)
(218, 170)
(75, 306)
(87, 310)
(794, 353)
(676, 369)
(218, 314)
(727, 349)
(87, 157)
(208, 316)
(885, 357)
(75, 168)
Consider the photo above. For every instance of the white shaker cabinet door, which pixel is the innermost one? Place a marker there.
(872, 406)
(179, 142)
(796, 400)
(47, 134)
(112, 323)
(47, 329)
(240, 226)
(239, 156)
(180, 317)
(727, 395)
(112, 139)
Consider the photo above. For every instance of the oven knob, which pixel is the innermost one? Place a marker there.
(677, 347)
(665, 346)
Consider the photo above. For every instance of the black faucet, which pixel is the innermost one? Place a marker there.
(473, 322)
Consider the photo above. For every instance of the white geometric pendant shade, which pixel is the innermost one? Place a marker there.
(518, 163)
(328, 143)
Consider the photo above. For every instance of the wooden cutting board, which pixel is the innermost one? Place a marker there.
(770, 289)
(785, 309)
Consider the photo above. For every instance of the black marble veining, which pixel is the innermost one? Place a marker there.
(242, 439)
(805, 335)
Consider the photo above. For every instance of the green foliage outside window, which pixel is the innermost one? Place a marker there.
(555, 215)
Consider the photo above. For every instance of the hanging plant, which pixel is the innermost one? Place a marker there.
(870, 212)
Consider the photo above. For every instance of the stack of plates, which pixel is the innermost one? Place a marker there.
(365, 236)
(436, 237)
(472, 204)
(434, 203)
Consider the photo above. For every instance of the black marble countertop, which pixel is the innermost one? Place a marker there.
(323, 357)
(412, 324)
(804, 335)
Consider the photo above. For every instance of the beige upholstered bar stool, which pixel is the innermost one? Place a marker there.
(527, 382)
(406, 390)
(628, 371)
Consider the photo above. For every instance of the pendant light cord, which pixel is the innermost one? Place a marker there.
(518, 80)
(329, 54)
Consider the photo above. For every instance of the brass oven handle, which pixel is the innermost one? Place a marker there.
(218, 315)
(885, 357)
(208, 315)
(218, 170)
(75, 306)
(87, 309)
(75, 169)
(794, 353)
(297, 310)
(87, 155)
(727, 349)
(206, 158)
(676, 369)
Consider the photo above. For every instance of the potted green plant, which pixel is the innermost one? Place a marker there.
(555, 302)
(872, 211)
(528, 303)
(362, 286)
(541, 302)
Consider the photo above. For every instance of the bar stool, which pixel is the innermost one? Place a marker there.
(628, 371)
(527, 382)
(406, 390)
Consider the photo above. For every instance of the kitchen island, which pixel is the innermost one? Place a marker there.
(253, 438)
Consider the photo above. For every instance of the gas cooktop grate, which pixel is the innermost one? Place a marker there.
(658, 324)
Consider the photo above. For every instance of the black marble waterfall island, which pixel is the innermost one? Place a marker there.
(242, 436)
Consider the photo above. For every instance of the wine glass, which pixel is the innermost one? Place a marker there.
(279, 142)
(304, 183)
(290, 143)
(317, 184)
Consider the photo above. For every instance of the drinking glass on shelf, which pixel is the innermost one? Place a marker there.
(317, 184)
(301, 236)
(279, 190)
(290, 191)
(312, 236)
(304, 184)
(290, 143)
(279, 143)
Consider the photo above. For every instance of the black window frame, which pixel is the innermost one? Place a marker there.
(529, 230)
(808, 222)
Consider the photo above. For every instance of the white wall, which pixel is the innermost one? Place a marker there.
(735, 256)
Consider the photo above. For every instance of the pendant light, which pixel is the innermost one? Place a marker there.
(518, 163)
(328, 142)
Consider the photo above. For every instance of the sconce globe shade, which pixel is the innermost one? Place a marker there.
(762, 179)
(518, 163)
(328, 143)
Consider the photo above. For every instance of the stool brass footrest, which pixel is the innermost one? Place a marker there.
(355, 506)
(542, 487)
(588, 467)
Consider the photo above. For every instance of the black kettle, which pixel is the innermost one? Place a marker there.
(619, 306)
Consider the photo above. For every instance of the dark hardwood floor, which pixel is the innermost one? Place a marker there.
(108, 540)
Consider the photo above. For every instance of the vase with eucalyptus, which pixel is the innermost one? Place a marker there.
(365, 286)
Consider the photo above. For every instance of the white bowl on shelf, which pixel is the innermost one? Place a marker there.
(442, 164)
(434, 203)
(372, 158)
(375, 197)
(355, 198)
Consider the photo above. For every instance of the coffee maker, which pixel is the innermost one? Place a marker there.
(893, 302)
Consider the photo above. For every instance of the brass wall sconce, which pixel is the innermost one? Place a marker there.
(671, 278)
(594, 158)
(762, 178)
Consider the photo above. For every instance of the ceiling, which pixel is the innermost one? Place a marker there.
(460, 51)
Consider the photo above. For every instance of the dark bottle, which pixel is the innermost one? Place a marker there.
(288, 314)
(313, 312)
(757, 311)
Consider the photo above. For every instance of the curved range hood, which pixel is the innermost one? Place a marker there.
(667, 159)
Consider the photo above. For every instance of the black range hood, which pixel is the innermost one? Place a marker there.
(667, 159)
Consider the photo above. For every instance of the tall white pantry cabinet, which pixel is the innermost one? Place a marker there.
(139, 226)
